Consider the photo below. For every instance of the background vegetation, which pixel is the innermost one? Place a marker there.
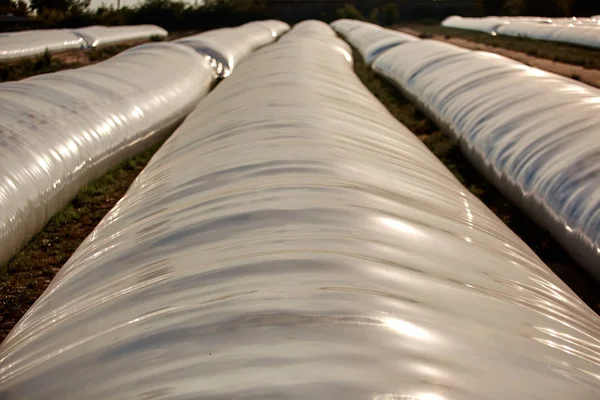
(178, 15)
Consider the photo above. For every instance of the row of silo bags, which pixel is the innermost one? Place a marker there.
(292, 240)
(583, 32)
(226, 46)
(60, 131)
(370, 40)
(532, 133)
(30, 43)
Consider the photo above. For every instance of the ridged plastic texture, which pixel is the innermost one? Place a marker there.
(293, 240)
(101, 35)
(59, 131)
(31, 43)
(579, 31)
(532, 133)
(227, 46)
(370, 40)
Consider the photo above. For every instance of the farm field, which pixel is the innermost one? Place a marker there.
(277, 205)
(52, 62)
(26, 276)
(574, 62)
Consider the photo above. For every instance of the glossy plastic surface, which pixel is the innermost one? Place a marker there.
(369, 39)
(293, 240)
(101, 35)
(31, 43)
(532, 133)
(226, 47)
(59, 131)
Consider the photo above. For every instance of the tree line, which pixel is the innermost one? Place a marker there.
(176, 15)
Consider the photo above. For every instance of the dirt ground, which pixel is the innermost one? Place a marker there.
(589, 76)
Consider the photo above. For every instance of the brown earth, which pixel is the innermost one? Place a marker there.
(586, 75)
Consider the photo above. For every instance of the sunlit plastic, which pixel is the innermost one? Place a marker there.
(227, 46)
(59, 131)
(30, 43)
(532, 133)
(100, 35)
(292, 240)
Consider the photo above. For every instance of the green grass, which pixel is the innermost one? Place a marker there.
(448, 151)
(566, 53)
(30, 66)
(104, 52)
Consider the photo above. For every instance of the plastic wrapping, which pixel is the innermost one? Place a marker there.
(370, 40)
(487, 24)
(32, 43)
(579, 31)
(583, 35)
(101, 35)
(314, 30)
(277, 28)
(532, 133)
(293, 240)
(227, 46)
(59, 131)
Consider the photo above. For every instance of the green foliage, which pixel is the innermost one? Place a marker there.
(374, 16)
(350, 12)
(28, 67)
(179, 15)
(60, 5)
(390, 14)
(513, 7)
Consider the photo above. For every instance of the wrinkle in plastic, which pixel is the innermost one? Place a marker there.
(59, 131)
(100, 35)
(293, 240)
(226, 47)
(532, 133)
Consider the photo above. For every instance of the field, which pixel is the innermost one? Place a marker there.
(52, 62)
(554, 51)
(571, 61)
(27, 275)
